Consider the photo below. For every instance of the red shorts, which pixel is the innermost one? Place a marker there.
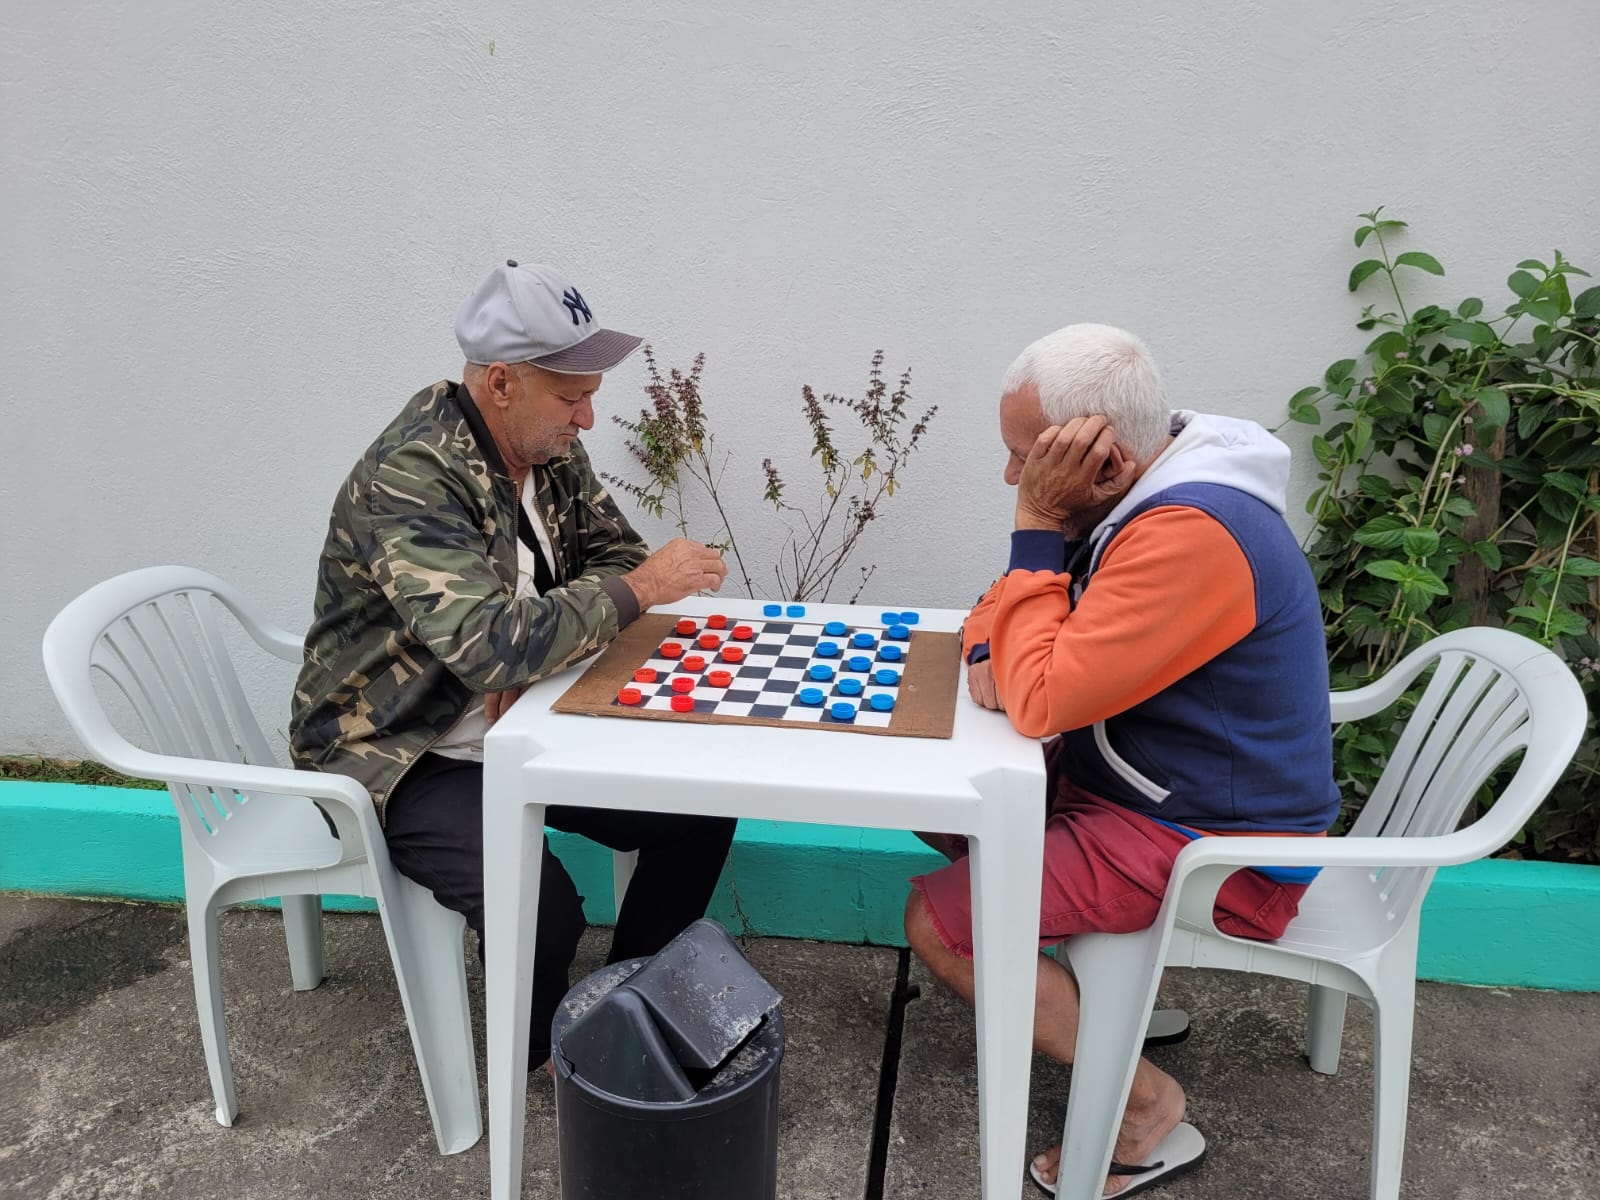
(1106, 871)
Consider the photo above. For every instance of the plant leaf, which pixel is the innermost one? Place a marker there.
(1523, 284)
(1419, 543)
(1570, 484)
(1494, 408)
(1471, 307)
(1475, 332)
(1363, 270)
(1423, 262)
(1388, 568)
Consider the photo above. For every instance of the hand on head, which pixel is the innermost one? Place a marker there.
(680, 568)
(1073, 472)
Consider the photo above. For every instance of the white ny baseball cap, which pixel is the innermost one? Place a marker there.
(532, 313)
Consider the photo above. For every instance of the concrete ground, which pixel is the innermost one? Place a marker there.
(106, 1093)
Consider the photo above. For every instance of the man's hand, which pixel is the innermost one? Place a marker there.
(980, 685)
(1072, 470)
(497, 704)
(680, 568)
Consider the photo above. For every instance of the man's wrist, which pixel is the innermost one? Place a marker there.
(1028, 518)
(640, 588)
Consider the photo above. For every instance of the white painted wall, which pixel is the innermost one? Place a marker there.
(234, 236)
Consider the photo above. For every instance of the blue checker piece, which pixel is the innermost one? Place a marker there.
(910, 618)
(862, 641)
(850, 687)
(827, 649)
(810, 696)
(881, 703)
(843, 710)
(898, 632)
(795, 610)
(886, 677)
(889, 618)
(858, 662)
(772, 610)
(836, 629)
(891, 653)
(821, 671)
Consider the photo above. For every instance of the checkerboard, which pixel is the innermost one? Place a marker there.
(777, 666)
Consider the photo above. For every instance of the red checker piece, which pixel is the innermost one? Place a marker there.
(720, 678)
(733, 654)
(709, 641)
(743, 633)
(671, 650)
(716, 621)
(682, 683)
(645, 675)
(630, 695)
(685, 628)
(693, 662)
(683, 704)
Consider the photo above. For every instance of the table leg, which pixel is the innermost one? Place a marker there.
(1006, 869)
(513, 836)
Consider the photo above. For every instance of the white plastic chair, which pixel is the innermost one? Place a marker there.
(249, 828)
(1492, 694)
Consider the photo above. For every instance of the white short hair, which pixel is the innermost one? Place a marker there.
(1085, 369)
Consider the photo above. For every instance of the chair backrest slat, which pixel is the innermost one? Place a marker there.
(121, 655)
(1449, 699)
(250, 740)
(1489, 742)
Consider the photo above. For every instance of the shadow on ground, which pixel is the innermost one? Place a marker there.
(106, 1090)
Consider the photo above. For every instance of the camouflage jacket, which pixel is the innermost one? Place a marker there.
(415, 607)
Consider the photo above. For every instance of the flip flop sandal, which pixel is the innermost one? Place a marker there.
(1168, 1027)
(1180, 1152)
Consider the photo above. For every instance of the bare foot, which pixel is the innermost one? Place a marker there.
(1155, 1107)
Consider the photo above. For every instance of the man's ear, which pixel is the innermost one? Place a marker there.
(1114, 463)
(497, 384)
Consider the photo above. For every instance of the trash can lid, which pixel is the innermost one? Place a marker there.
(705, 996)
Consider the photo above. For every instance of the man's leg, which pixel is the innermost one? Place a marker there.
(680, 860)
(434, 827)
(1156, 1102)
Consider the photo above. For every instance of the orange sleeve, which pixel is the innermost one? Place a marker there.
(980, 621)
(1172, 591)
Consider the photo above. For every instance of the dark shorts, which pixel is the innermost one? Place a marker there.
(1106, 871)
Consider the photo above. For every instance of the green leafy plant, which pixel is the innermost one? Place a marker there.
(1460, 485)
(671, 441)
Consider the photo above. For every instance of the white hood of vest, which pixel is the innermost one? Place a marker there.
(1211, 449)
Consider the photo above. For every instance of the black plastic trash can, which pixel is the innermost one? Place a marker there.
(667, 1077)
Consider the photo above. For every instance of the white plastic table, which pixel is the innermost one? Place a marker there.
(987, 782)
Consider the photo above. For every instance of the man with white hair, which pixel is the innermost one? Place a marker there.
(1159, 616)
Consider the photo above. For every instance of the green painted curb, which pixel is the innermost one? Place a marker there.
(1498, 922)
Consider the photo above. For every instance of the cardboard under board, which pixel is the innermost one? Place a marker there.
(924, 706)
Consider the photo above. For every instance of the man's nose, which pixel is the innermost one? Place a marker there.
(583, 415)
(1013, 473)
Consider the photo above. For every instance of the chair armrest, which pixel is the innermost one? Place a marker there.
(348, 804)
(1204, 865)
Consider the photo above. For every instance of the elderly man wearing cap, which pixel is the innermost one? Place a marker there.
(470, 552)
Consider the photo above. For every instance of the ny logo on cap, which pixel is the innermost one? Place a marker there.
(573, 299)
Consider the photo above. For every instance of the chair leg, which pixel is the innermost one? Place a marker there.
(1324, 1027)
(428, 946)
(1117, 979)
(1393, 1011)
(205, 961)
(302, 929)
